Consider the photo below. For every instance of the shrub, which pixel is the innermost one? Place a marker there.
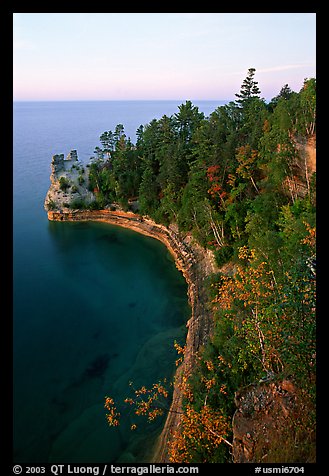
(51, 205)
(94, 205)
(78, 203)
(64, 183)
(223, 254)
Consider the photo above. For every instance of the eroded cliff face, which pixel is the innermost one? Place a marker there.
(298, 182)
(307, 153)
(268, 425)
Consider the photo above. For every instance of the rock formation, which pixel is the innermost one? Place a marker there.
(265, 424)
(69, 182)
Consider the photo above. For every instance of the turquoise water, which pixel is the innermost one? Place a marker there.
(91, 313)
(95, 306)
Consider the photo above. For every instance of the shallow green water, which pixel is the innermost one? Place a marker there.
(94, 306)
(106, 309)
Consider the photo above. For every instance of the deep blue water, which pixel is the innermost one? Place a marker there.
(95, 306)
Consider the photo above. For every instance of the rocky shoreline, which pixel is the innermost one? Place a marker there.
(196, 264)
(69, 182)
(69, 187)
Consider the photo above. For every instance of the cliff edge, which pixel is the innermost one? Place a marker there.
(191, 259)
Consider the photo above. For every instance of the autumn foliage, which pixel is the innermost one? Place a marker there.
(147, 402)
(235, 183)
(200, 432)
(269, 328)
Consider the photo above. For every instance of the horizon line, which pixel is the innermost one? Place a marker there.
(103, 100)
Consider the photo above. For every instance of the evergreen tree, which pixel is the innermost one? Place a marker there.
(187, 120)
(249, 89)
(285, 93)
(148, 192)
(107, 141)
(234, 181)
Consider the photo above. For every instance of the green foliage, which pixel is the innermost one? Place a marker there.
(249, 89)
(78, 204)
(51, 205)
(307, 110)
(234, 181)
(148, 192)
(94, 170)
(192, 215)
(64, 183)
(223, 254)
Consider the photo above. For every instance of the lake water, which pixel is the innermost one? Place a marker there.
(95, 306)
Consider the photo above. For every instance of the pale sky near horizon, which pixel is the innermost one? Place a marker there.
(106, 56)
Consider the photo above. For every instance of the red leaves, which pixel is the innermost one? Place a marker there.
(212, 173)
(213, 177)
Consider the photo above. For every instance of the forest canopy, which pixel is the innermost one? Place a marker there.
(227, 178)
(241, 183)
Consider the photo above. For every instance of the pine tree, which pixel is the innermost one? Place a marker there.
(249, 89)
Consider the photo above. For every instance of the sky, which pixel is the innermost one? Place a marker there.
(117, 56)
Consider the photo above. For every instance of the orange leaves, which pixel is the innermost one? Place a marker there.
(153, 414)
(142, 391)
(217, 189)
(201, 430)
(210, 383)
(209, 365)
(180, 350)
(223, 362)
(249, 285)
(146, 402)
(246, 253)
(231, 179)
(251, 299)
(130, 401)
(160, 389)
(247, 159)
(214, 369)
(246, 156)
(310, 239)
(113, 416)
(142, 408)
(186, 390)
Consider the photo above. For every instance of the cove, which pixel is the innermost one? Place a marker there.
(111, 303)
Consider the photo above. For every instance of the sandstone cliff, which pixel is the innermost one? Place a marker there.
(302, 167)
